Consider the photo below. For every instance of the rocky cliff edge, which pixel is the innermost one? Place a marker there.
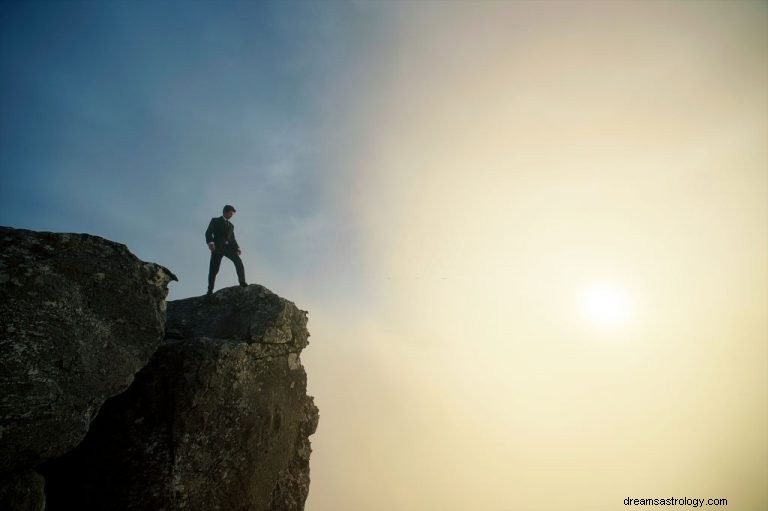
(216, 416)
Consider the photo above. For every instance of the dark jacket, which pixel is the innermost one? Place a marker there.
(222, 234)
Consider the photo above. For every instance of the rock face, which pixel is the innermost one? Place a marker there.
(218, 420)
(79, 316)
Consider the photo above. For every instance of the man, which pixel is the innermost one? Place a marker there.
(220, 237)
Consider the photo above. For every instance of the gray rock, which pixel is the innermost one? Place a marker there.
(79, 316)
(218, 420)
(252, 314)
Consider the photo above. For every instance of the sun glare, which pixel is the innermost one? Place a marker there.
(605, 305)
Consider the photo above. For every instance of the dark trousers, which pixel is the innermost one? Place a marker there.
(216, 256)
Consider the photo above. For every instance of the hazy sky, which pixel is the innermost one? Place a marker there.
(532, 236)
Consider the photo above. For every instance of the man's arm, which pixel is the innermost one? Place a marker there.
(234, 241)
(209, 232)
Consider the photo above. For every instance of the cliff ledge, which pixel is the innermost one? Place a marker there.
(113, 399)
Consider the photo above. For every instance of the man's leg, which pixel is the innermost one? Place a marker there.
(213, 269)
(232, 256)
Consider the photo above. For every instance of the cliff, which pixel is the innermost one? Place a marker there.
(216, 417)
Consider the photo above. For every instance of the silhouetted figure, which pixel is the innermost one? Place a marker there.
(220, 237)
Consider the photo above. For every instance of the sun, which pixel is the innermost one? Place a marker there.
(606, 305)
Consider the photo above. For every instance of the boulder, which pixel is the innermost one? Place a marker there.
(79, 316)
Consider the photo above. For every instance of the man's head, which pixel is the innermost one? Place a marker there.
(228, 211)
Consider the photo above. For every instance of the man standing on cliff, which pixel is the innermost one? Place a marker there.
(220, 237)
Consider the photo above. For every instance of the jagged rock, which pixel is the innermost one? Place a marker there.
(79, 316)
(218, 420)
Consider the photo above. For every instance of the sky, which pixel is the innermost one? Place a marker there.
(532, 236)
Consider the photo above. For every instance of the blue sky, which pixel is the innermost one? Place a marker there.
(138, 121)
